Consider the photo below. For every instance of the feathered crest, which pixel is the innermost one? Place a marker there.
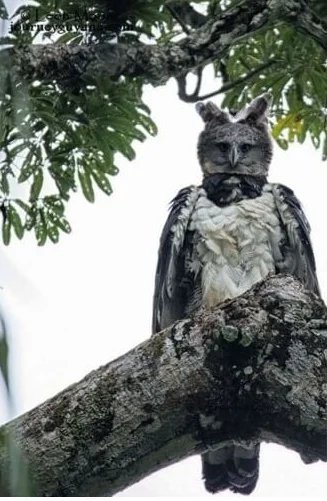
(210, 111)
(255, 113)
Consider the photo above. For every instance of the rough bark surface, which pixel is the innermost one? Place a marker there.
(155, 64)
(253, 367)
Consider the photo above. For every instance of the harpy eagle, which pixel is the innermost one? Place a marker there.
(224, 236)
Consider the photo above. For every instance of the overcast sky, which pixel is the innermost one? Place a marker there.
(81, 303)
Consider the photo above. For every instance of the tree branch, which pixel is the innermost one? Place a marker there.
(253, 368)
(175, 15)
(304, 19)
(187, 14)
(182, 82)
(192, 98)
(155, 64)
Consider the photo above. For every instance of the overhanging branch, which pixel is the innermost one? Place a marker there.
(263, 355)
(192, 98)
(186, 14)
(154, 63)
(298, 14)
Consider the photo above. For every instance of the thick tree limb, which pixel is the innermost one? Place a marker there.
(255, 367)
(154, 63)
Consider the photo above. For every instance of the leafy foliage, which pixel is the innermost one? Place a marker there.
(297, 79)
(3, 10)
(56, 139)
(93, 20)
(64, 136)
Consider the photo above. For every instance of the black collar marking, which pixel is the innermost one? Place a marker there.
(224, 189)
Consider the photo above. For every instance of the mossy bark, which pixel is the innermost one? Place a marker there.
(156, 63)
(255, 367)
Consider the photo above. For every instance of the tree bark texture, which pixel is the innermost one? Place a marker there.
(254, 367)
(155, 64)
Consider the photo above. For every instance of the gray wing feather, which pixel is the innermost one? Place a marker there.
(298, 256)
(169, 302)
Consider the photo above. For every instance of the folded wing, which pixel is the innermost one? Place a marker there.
(298, 257)
(170, 293)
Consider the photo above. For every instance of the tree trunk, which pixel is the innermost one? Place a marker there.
(255, 367)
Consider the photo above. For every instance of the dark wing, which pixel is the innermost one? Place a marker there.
(298, 257)
(169, 301)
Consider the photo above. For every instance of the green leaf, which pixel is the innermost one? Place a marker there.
(25, 173)
(44, 101)
(63, 224)
(53, 234)
(282, 143)
(76, 40)
(324, 149)
(36, 185)
(100, 137)
(17, 149)
(4, 183)
(47, 117)
(3, 10)
(148, 124)
(58, 220)
(40, 227)
(138, 134)
(67, 37)
(23, 205)
(64, 179)
(55, 204)
(6, 227)
(27, 167)
(281, 125)
(86, 184)
(101, 180)
(120, 143)
(315, 140)
(31, 218)
(302, 131)
(16, 222)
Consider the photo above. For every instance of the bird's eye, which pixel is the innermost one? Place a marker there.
(245, 147)
(223, 147)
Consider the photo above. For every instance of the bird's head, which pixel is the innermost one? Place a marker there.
(235, 144)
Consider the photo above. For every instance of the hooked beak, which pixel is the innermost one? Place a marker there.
(233, 156)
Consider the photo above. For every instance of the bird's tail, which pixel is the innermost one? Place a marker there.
(234, 467)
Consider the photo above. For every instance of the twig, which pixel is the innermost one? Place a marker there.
(188, 14)
(223, 71)
(181, 83)
(192, 98)
(178, 18)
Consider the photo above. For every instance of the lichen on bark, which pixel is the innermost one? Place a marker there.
(252, 368)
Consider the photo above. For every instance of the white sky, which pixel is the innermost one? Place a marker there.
(81, 303)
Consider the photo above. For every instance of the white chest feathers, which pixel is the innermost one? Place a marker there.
(235, 246)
